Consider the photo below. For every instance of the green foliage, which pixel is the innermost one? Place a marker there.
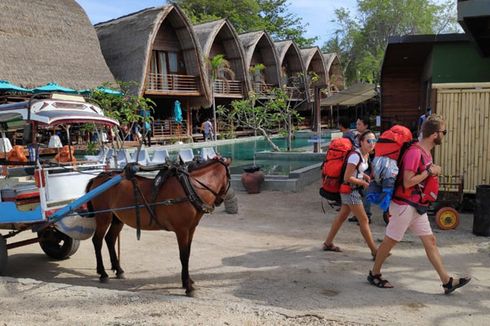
(92, 148)
(361, 41)
(250, 15)
(219, 67)
(127, 109)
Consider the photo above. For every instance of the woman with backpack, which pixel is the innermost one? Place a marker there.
(351, 191)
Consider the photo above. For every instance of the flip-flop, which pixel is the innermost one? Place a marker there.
(331, 247)
(449, 287)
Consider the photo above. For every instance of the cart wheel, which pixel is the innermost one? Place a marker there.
(3, 255)
(56, 244)
(386, 217)
(447, 218)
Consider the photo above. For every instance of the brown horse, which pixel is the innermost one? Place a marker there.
(171, 206)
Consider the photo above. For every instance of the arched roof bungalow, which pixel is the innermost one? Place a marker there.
(157, 48)
(292, 68)
(38, 47)
(314, 63)
(220, 37)
(335, 73)
(260, 50)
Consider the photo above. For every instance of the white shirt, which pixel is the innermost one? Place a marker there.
(354, 159)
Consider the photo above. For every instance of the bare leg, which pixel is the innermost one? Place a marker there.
(434, 256)
(383, 253)
(360, 213)
(337, 223)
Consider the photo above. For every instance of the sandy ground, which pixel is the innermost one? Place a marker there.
(262, 266)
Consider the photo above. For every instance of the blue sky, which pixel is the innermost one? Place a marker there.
(318, 14)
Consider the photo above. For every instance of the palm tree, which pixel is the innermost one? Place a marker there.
(219, 68)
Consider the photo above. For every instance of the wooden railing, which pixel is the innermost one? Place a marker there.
(294, 92)
(169, 128)
(228, 87)
(262, 88)
(166, 83)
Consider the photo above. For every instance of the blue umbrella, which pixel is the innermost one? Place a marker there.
(6, 86)
(177, 112)
(53, 87)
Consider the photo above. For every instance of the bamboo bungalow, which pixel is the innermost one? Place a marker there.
(314, 66)
(335, 73)
(38, 47)
(157, 48)
(219, 37)
(426, 70)
(261, 60)
(292, 69)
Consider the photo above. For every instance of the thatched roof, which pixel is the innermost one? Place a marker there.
(334, 69)
(223, 35)
(313, 61)
(289, 51)
(260, 42)
(127, 44)
(49, 41)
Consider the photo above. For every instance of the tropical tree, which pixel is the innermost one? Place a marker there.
(361, 40)
(219, 68)
(249, 15)
(128, 109)
(275, 115)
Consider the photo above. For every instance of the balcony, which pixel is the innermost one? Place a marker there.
(228, 88)
(160, 84)
(262, 89)
(163, 129)
(294, 93)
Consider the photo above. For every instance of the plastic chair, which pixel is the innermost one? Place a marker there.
(122, 158)
(5, 145)
(208, 153)
(98, 158)
(143, 157)
(55, 142)
(186, 155)
(160, 156)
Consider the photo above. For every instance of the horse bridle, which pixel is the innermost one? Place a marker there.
(219, 196)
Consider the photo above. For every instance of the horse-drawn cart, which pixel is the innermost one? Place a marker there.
(36, 193)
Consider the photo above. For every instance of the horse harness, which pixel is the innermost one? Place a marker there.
(165, 172)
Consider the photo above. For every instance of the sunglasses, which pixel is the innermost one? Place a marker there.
(371, 141)
(444, 132)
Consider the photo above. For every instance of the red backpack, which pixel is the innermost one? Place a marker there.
(427, 189)
(391, 141)
(333, 167)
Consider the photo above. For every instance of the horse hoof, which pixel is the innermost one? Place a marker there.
(120, 276)
(189, 293)
(104, 279)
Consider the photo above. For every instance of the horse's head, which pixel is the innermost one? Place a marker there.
(225, 180)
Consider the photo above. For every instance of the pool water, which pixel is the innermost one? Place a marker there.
(242, 154)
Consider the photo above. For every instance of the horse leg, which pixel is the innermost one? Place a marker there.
(103, 221)
(191, 235)
(110, 239)
(183, 237)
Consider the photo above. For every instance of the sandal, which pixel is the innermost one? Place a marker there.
(331, 247)
(449, 287)
(377, 281)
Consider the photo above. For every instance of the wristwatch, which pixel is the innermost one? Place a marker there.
(429, 170)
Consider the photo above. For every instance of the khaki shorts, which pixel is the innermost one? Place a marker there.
(405, 217)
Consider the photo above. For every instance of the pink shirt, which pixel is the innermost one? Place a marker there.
(416, 159)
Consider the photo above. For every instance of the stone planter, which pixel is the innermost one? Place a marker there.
(252, 179)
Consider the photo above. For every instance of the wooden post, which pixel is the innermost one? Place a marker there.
(317, 148)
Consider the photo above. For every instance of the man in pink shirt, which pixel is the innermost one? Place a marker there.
(407, 210)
